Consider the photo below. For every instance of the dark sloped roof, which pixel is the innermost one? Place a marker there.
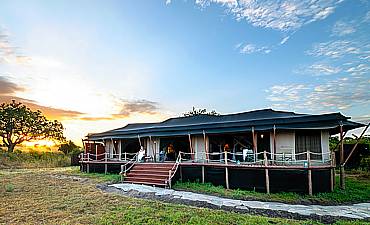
(259, 119)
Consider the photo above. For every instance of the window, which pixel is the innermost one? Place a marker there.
(308, 141)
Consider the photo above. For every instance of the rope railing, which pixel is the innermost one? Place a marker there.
(172, 172)
(124, 170)
(257, 158)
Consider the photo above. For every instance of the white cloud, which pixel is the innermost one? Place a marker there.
(168, 2)
(284, 40)
(282, 15)
(318, 69)
(337, 49)
(341, 93)
(251, 48)
(342, 28)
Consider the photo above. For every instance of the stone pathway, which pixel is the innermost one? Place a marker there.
(355, 211)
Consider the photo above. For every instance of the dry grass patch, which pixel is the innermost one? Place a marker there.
(48, 196)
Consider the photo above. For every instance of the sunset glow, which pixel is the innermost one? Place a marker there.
(146, 61)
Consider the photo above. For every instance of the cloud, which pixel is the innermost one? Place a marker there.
(336, 49)
(9, 54)
(49, 112)
(142, 106)
(285, 15)
(168, 2)
(318, 69)
(341, 93)
(342, 28)
(8, 87)
(251, 48)
(284, 40)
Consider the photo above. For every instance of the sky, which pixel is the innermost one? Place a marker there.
(98, 65)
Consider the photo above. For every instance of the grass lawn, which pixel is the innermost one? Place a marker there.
(357, 190)
(43, 196)
(47, 196)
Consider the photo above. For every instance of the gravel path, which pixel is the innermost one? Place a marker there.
(327, 214)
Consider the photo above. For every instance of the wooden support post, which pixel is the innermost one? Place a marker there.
(254, 139)
(125, 156)
(331, 179)
(205, 144)
(105, 168)
(333, 162)
(88, 168)
(309, 173)
(267, 178)
(180, 173)
(96, 151)
(354, 147)
(88, 156)
(119, 150)
(191, 147)
(153, 149)
(225, 157)
(169, 178)
(341, 153)
(274, 143)
(227, 177)
(203, 175)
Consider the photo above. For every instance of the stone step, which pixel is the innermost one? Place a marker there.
(146, 183)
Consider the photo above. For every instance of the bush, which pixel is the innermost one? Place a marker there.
(9, 187)
(33, 159)
(365, 163)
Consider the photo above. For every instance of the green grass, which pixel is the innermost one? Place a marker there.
(56, 199)
(101, 177)
(33, 159)
(357, 190)
(9, 187)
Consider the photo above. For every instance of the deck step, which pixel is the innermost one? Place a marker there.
(144, 179)
(149, 174)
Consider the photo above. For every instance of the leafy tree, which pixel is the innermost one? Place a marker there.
(18, 124)
(69, 148)
(195, 112)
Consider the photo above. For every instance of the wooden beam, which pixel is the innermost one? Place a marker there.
(138, 136)
(267, 178)
(203, 175)
(180, 173)
(153, 149)
(309, 174)
(227, 177)
(274, 142)
(205, 144)
(191, 147)
(254, 141)
(357, 141)
(341, 153)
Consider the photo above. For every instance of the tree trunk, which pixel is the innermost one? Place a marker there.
(11, 147)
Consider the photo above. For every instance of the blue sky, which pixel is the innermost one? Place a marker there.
(97, 65)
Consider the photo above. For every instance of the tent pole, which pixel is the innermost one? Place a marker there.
(341, 152)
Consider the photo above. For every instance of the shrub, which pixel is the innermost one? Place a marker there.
(9, 187)
(365, 163)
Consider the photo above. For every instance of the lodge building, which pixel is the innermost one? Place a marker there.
(263, 150)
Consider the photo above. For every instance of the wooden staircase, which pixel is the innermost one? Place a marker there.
(153, 174)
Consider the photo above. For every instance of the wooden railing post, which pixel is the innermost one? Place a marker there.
(267, 178)
(332, 179)
(309, 173)
(169, 178)
(125, 156)
(105, 164)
